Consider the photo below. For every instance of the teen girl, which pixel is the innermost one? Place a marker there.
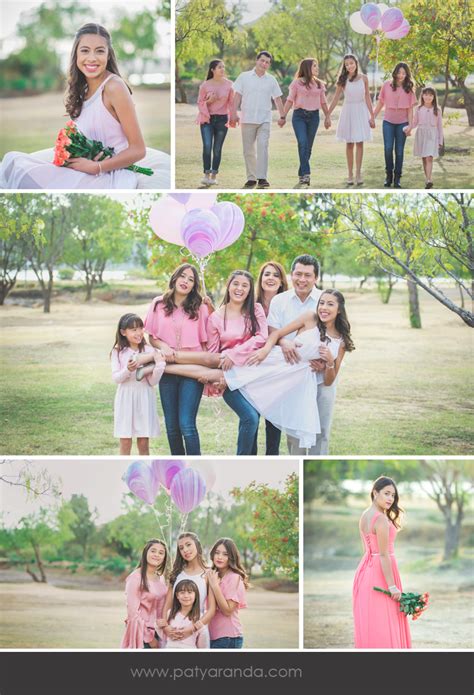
(229, 582)
(215, 101)
(397, 98)
(135, 401)
(378, 622)
(428, 121)
(356, 117)
(185, 616)
(146, 590)
(100, 103)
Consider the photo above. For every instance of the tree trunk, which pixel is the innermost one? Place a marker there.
(180, 86)
(89, 284)
(32, 574)
(414, 304)
(362, 282)
(6, 287)
(468, 98)
(47, 292)
(451, 540)
(446, 84)
(39, 562)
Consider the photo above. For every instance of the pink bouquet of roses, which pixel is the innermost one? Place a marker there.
(410, 604)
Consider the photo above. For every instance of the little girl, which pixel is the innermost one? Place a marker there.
(185, 616)
(229, 582)
(429, 138)
(356, 117)
(135, 401)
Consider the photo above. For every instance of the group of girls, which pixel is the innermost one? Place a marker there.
(307, 95)
(192, 607)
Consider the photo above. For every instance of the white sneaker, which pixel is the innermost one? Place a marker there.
(206, 181)
(212, 182)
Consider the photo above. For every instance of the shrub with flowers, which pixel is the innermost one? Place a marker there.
(410, 604)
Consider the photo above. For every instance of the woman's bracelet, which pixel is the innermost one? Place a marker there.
(100, 170)
(330, 366)
(393, 588)
(198, 625)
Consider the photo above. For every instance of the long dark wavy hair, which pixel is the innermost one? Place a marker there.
(304, 73)
(192, 302)
(212, 66)
(407, 83)
(76, 82)
(281, 272)
(127, 321)
(195, 612)
(248, 307)
(179, 561)
(235, 563)
(342, 325)
(163, 569)
(395, 510)
(343, 74)
(429, 90)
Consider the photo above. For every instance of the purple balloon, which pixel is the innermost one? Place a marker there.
(200, 230)
(187, 490)
(391, 19)
(370, 15)
(164, 470)
(232, 222)
(399, 33)
(181, 197)
(141, 481)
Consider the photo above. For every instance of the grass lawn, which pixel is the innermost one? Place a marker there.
(403, 391)
(328, 160)
(32, 123)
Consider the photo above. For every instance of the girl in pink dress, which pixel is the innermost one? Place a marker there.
(229, 582)
(135, 401)
(145, 590)
(378, 622)
(184, 617)
(428, 121)
(99, 102)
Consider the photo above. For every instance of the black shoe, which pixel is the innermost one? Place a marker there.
(396, 183)
(250, 184)
(388, 180)
(429, 184)
(263, 183)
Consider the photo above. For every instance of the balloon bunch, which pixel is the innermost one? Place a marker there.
(198, 223)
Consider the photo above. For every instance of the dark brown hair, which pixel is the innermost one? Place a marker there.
(304, 73)
(195, 612)
(395, 510)
(179, 561)
(342, 324)
(142, 566)
(248, 307)
(407, 83)
(235, 563)
(212, 66)
(343, 74)
(281, 272)
(127, 321)
(193, 300)
(429, 90)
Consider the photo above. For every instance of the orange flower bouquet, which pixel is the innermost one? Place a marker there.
(410, 604)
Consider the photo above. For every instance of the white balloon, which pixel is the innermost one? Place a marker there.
(382, 7)
(200, 200)
(207, 472)
(358, 24)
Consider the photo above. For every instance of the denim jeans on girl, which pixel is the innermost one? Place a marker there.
(248, 422)
(305, 124)
(272, 439)
(180, 398)
(213, 135)
(227, 643)
(393, 135)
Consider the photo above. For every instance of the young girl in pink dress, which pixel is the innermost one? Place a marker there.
(229, 582)
(378, 622)
(135, 401)
(99, 102)
(184, 617)
(428, 121)
(145, 590)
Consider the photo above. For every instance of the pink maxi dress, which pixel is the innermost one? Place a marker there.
(143, 610)
(378, 621)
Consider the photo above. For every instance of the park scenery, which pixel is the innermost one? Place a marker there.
(73, 530)
(434, 549)
(72, 265)
(432, 37)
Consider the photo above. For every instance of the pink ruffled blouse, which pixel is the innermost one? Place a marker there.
(309, 98)
(396, 103)
(221, 625)
(422, 116)
(143, 610)
(221, 106)
(234, 339)
(178, 330)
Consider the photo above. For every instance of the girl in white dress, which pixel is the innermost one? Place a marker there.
(429, 138)
(135, 401)
(356, 117)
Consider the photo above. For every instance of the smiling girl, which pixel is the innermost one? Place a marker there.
(185, 616)
(229, 582)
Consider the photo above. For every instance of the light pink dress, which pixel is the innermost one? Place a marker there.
(143, 609)
(353, 124)
(378, 621)
(177, 330)
(135, 412)
(429, 132)
(197, 640)
(232, 336)
(222, 625)
(21, 170)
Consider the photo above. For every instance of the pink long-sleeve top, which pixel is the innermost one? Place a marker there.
(307, 97)
(121, 373)
(178, 330)
(221, 106)
(221, 625)
(143, 610)
(195, 641)
(396, 103)
(232, 337)
(426, 117)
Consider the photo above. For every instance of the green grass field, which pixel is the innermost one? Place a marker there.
(328, 161)
(403, 391)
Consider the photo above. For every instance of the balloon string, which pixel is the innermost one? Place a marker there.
(200, 262)
(184, 520)
(157, 517)
(377, 41)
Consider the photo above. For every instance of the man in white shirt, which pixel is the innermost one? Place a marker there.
(286, 307)
(254, 91)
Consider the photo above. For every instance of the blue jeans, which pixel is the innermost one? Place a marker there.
(227, 643)
(213, 135)
(305, 124)
(180, 398)
(272, 438)
(248, 422)
(393, 135)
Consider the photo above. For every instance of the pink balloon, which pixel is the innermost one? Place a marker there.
(181, 197)
(165, 219)
(200, 231)
(201, 199)
(391, 19)
(399, 33)
(355, 20)
(141, 481)
(187, 490)
(370, 15)
(232, 222)
(164, 470)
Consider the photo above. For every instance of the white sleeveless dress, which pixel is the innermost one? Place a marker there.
(353, 124)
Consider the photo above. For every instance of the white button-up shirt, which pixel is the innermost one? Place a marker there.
(287, 306)
(257, 94)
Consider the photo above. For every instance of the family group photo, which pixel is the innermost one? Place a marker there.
(85, 95)
(154, 554)
(388, 543)
(199, 324)
(375, 95)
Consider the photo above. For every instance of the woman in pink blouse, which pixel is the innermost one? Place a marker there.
(307, 94)
(397, 98)
(214, 103)
(146, 590)
(428, 121)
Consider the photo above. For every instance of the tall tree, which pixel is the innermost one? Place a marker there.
(82, 523)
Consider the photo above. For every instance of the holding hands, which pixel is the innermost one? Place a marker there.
(258, 356)
(289, 350)
(327, 122)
